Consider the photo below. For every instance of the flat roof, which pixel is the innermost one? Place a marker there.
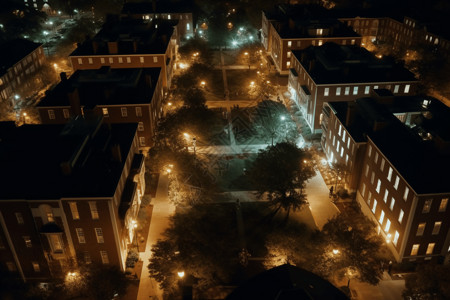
(339, 64)
(105, 86)
(156, 7)
(11, 52)
(31, 158)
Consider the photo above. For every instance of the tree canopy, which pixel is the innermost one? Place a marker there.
(430, 281)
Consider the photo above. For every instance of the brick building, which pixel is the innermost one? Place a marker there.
(165, 11)
(335, 72)
(297, 27)
(131, 43)
(119, 95)
(396, 151)
(19, 60)
(72, 196)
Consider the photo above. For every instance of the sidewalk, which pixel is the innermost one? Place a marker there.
(162, 210)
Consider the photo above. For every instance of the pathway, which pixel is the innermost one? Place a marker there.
(162, 210)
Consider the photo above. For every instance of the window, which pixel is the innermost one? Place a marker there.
(443, 205)
(56, 243)
(355, 90)
(396, 87)
(340, 130)
(397, 180)
(36, 267)
(90, 61)
(288, 54)
(299, 43)
(370, 150)
(80, 61)
(319, 31)
(102, 60)
(363, 190)
(338, 91)
(128, 60)
(378, 186)
(436, 228)
(27, 241)
(99, 234)
(396, 236)
(374, 207)
(344, 42)
(120, 60)
(391, 207)
(111, 60)
(288, 64)
(405, 194)
(389, 177)
(188, 26)
(353, 42)
(427, 206)
(366, 90)
(66, 113)
(338, 145)
(123, 111)
(141, 59)
(367, 170)
(94, 211)
(87, 258)
(343, 136)
(375, 87)
(381, 217)
(11, 266)
(376, 157)
(289, 43)
(74, 210)
(420, 229)
(334, 140)
(326, 91)
(142, 141)
(347, 90)
(138, 112)
(104, 255)
(19, 218)
(80, 235)
(386, 194)
(388, 225)
(51, 114)
(430, 248)
(141, 126)
(320, 42)
(105, 112)
(369, 197)
(155, 59)
(400, 216)
(372, 178)
(407, 86)
(415, 249)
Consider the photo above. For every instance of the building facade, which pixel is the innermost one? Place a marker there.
(395, 152)
(341, 73)
(71, 206)
(117, 95)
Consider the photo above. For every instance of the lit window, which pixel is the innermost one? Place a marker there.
(366, 90)
(128, 59)
(90, 61)
(374, 207)
(370, 151)
(319, 31)
(340, 130)
(99, 234)
(406, 91)
(338, 91)
(36, 267)
(388, 225)
(334, 139)
(337, 147)
(375, 87)
(400, 216)
(87, 258)
(27, 241)
(372, 178)
(123, 111)
(51, 114)
(355, 90)
(391, 207)
(397, 180)
(378, 186)
(19, 218)
(347, 90)
(142, 141)
(369, 197)
(288, 64)
(105, 112)
(169, 17)
(415, 249)
(320, 42)
(381, 217)
(436, 228)
(443, 205)
(396, 87)
(111, 60)
(363, 191)
(343, 136)
(396, 236)
(367, 170)
(141, 59)
(348, 143)
(405, 194)
(188, 26)
(389, 177)
(353, 42)
(289, 43)
(80, 235)
(326, 91)
(94, 211)
(56, 243)
(102, 60)
(66, 113)
(376, 157)
(104, 255)
(386, 194)
(120, 60)
(141, 126)
(74, 210)
(420, 229)
(155, 59)
(427, 206)
(80, 61)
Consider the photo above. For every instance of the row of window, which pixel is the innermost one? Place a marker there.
(435, 231)
(120, 60)
(82, 237)
(105, 112)
(355, 91)
(415, 249)
(319, 42)
(93, 208)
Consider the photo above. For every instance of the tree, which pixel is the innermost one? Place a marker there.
(431, 281)
(280, 172)
(104, 281)
(195, 98)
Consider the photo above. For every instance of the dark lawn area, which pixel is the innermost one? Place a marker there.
(214, 85)
(239, 83)
(229, 172)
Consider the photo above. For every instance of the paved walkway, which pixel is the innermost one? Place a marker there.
(162, 210)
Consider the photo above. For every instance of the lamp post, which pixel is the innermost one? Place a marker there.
(194, 141)
(134, 223)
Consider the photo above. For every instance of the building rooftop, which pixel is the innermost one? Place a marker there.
(155, 7)
(133, 36)
(105, 86)
(419, 148)
(83, 158)
(334, 64)
(14, 51)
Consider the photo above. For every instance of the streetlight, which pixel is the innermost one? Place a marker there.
(24, 117)
(335, 251)
(203, 83)
(134, 223)
(180, 274)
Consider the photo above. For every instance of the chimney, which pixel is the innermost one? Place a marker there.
(113, 48)
(351, 112)
(95, 47)
(63, 76)
(115, 152)
(74, 100)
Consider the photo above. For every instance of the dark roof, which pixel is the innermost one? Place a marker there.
(156, 7)
(133, 36)
(13, 51)
(333, 64)
(423, 162)
(287, 282)
(105, 86)
(35, 159)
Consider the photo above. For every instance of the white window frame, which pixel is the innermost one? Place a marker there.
(355, 90)
(141, 126)
(391, 206)
(366, 90)
(104, 256)
(389, 176)
(396, 236)
(19, 218)
(155, 59)
(80, 235)
(66, 113)
(443, 205)
(397, 180)
(400, 216)
(347, 91)
(99, 235)
(105, 112)
(381, 220)
(138, 111)
(51, 114)
(436, 228)
(124, 112)
(326, 92)
(338, 91)
(378, 186)
(94, 210)
(74, 210)
(374, 206)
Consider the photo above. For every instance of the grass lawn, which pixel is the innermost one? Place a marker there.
(239, 83)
